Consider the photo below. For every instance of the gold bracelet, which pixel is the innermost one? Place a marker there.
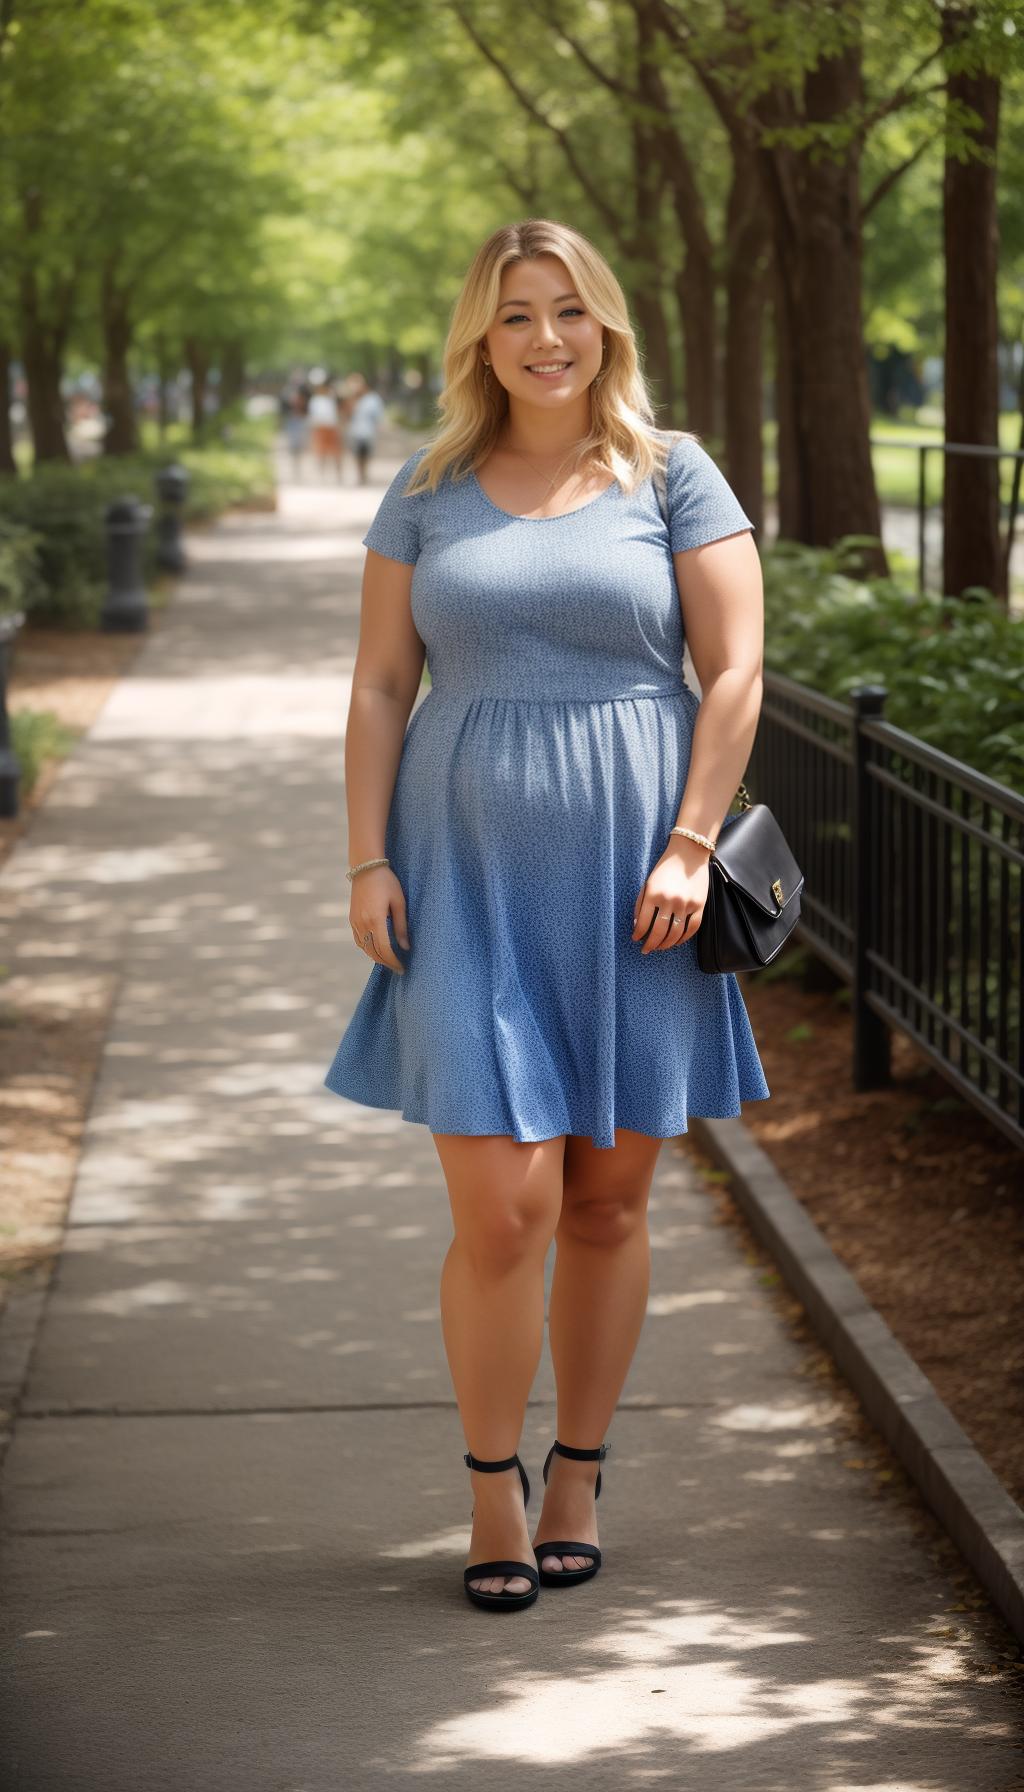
(701, 839)
(365, 866)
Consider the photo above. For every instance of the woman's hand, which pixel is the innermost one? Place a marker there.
(375, 895)
(677, 887)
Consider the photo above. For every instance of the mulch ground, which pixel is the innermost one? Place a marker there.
(915, 1192)
(51, 1039)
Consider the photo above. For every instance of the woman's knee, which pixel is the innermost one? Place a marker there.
(607, 1219)
(505, 1197)
(605, 1193)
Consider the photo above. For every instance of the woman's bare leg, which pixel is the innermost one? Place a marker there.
(505, 1198)
(598, 1302)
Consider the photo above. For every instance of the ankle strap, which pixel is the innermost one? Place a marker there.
(574, 1455)
(490, 1468)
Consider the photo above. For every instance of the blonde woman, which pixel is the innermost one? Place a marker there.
(529, 856)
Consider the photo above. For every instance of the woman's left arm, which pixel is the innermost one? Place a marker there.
(721, 591)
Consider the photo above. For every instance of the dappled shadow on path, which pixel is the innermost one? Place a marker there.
(236, 1502)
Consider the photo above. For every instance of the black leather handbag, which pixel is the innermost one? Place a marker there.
(753, 901)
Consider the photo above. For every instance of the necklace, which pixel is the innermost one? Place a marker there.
(551, 483)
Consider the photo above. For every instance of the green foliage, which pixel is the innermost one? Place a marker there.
(953, 667)
(20, 578)
(62, 511)
(37, 735)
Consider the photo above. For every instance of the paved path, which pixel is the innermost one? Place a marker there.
(235, 1507)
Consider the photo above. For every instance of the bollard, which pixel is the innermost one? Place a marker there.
(125, 607)
(172, 490)
(10, 770)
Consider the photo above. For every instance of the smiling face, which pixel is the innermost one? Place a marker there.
(542, 324)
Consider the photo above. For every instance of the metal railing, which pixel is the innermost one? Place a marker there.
(914, 887)
(970, 450)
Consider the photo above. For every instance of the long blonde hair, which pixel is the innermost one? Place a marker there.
(474, 409)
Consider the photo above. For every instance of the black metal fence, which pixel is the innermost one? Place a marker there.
(914, 887)
(967, 451)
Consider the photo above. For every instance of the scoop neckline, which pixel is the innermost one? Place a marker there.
(563, 516)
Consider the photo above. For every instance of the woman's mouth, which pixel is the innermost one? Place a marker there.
(548, 370)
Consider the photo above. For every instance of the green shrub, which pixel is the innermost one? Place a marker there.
(953, 667)
(64, 509)
(20, 577)
(37, 735)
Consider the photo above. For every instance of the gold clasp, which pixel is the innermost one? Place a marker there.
(777, 890)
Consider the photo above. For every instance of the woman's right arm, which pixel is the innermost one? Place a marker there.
(385, 681)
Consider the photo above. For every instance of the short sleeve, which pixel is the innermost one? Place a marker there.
(395, 530)
(702, 505)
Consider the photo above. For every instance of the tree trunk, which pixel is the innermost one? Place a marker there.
(122, 434)
(786, 457)
(42, 343)
(747, 281)
(164, 375)
(197, 360)
(657, 353)
(695, 295)
(42, 362)
(970, 500)
(818, 243)
(8, 464)
(232, 372)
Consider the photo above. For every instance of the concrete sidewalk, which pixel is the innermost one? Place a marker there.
(235, 1508)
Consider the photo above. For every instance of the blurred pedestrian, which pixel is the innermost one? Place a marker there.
(363, 423)
(323, 416)
(296, 425)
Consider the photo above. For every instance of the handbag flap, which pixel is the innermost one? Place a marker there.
(753, 855)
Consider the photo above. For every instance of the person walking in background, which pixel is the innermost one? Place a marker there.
(296, 425)
(323, 416)
(530, 853)
(364, 420)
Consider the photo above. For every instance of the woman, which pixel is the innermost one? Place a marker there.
(323, 415)
(534, 996)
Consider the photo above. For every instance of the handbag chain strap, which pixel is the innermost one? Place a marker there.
(662, 493)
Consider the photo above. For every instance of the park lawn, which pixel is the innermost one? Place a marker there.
(896, 468)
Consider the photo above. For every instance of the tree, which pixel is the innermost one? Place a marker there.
(970, 498)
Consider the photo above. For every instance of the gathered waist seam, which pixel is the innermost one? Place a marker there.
(673, 690)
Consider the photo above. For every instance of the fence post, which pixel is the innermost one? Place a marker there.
(922, 511)
(125, 607)
(172, 490)
(871, 1042)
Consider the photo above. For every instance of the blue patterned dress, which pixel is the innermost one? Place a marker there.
(538, 779)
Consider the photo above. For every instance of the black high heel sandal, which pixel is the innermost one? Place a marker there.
(570, 1577)
(503, 1601)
